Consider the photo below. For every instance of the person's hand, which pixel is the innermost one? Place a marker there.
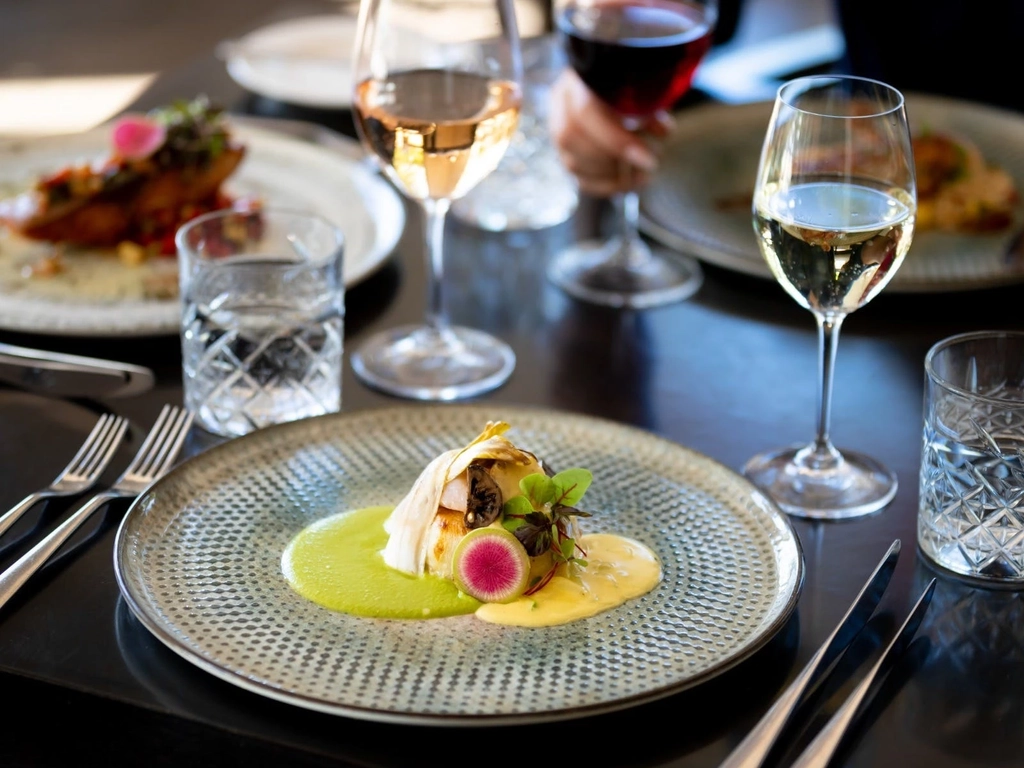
(593, 144)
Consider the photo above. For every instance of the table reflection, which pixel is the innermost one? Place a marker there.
(700, 717)
(966, 699)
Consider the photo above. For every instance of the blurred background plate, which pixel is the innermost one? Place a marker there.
(305, 61)
(699, 201)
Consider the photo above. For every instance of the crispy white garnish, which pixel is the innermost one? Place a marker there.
(409, 525)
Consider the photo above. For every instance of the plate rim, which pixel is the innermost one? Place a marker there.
(380, 198)
(237, 68)
(780, 522)
(728, 258)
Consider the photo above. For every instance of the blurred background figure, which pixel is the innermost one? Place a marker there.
(590, 135)
(946, 48)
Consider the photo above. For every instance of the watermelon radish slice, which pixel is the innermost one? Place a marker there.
(491, 565)
(136, 137)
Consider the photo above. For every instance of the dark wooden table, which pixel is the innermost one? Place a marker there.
(729, 373)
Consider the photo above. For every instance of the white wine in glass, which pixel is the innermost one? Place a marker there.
(833, 211)
(437, 103)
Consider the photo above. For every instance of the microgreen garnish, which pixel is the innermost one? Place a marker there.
(541, 517)
(195, 132)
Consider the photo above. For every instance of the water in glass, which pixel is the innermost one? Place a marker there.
(263, 300)
(971, 492)
(253, 358)
(973, 531)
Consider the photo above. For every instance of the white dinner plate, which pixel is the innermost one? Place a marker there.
(699, 201)
(198, 561)
(305, 61)
(280, 169)
(308, 60)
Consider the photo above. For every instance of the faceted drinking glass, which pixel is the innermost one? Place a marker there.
(530, 189)
(262, 318)
(971, 500)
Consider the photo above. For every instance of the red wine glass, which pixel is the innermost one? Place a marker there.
(639, 57)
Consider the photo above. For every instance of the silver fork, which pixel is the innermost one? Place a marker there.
(155, 456)
(82, 471)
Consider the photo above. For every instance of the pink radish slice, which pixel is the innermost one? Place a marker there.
(491, 565)
(136, 137)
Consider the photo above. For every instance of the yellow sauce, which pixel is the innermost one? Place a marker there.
(336, 562)
(618, 569)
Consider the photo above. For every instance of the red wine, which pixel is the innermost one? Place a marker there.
(637, 56)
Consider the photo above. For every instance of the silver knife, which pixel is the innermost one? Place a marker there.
(820, 751)
(61, 375)
(752, 751)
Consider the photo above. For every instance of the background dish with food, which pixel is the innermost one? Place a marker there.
(100, 294)
(699, 202)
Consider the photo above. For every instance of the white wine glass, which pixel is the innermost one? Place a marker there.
(833, 209)
(437, 99)
(639, 57)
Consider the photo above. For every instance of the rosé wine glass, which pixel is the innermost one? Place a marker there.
(436, 102)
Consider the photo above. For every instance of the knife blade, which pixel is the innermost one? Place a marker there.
(61, 375)
(752, 751)
(820, 751)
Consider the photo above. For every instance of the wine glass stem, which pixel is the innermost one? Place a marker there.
(633, 253)
(630, 211)
(434, 213)
(821, 454)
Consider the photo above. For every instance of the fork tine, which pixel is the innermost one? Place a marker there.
(155, 455)
(143, 454)
(100, 453)
(159, 450)
(170, 432)
(81, 472)
(174, 441)
(88, 446)
(106, 453)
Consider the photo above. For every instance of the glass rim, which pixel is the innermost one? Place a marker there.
(814, 81)
(269, 212)
(950, 341)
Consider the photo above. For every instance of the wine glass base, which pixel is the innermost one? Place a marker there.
(423, 363)
(593, 271)
(858, 486)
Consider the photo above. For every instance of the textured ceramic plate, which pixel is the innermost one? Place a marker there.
(699, 202)
(198, 559)
(280, 169)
